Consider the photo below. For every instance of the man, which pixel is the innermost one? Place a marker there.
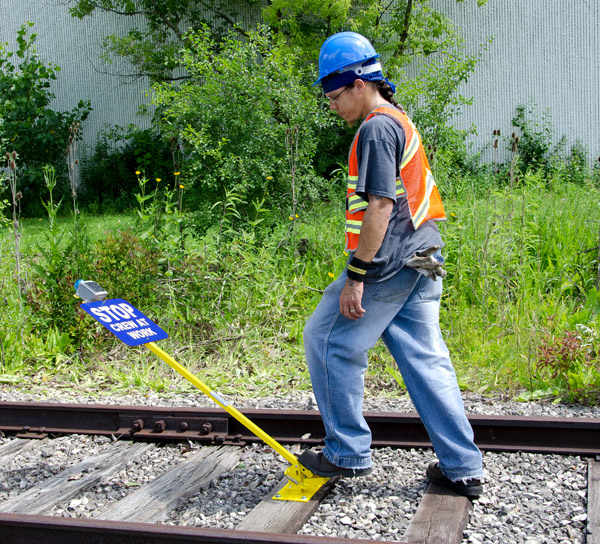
(392, 285)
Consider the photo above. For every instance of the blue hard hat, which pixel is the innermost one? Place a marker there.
(342, 50)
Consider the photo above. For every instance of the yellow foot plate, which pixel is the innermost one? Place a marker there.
(301, 486)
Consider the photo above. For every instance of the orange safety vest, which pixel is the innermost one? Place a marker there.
(416, 181)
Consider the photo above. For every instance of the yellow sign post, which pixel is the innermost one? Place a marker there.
(134, 328)
(302, 483)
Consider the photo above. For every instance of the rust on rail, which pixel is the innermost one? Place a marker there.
(20, 528)
(578, 436)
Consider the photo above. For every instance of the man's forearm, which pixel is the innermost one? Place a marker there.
(374, 226)
(372, 233)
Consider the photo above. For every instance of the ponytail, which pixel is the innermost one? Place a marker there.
(385, 90)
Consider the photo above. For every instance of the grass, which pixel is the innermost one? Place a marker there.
(521, 264)
(98, 226)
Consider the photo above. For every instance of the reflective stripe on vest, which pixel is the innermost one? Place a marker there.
(415, 182)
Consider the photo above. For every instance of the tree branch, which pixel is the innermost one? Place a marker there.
(226, 18)
(97, 5)
(404, 36)
(383, 12)
(136, 76)
(173, 26)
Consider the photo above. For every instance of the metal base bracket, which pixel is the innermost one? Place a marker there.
(301, 486)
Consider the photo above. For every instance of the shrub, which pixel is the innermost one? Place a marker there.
(249, 122)
(571, 358)
(29, 126)
(433, 101)
(577, 164)
(126, 267)
(534, 146)
(108, 175)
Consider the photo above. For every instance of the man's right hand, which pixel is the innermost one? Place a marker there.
(350, 300)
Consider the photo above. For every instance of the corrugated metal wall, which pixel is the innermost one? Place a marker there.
(545, 52)
(75, 45)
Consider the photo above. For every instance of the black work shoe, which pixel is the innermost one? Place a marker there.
(471, 488)
(318, 464)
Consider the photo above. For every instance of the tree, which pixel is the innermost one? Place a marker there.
(158, 30)
(28, 125)
(419, 45)
(399, 29)
(250, 127)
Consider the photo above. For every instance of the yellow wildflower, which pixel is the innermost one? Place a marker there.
(176, 173)
(330, 274)
(181, 186)
(346, 254)
(137, 172)
(158, 179)
(269, 177)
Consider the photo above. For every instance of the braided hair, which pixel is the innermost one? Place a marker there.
(385, 90)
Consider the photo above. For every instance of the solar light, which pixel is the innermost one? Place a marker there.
(89, 291)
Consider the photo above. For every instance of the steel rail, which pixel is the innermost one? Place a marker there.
(561, 435)
(22, 528)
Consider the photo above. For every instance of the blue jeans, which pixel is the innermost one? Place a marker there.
(404, 312)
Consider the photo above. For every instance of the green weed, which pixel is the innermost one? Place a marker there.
(522, 281)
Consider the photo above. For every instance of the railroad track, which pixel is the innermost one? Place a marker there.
(197, 449)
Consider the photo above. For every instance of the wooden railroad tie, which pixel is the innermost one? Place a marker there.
(593, 507)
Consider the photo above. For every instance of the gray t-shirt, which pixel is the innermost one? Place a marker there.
(379, 152)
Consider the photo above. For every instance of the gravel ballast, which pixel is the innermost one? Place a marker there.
(528, 498)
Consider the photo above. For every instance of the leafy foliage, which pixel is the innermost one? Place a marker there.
(233, 115)
(108, 174)
(521, 303)
(158, 29)
(535, 140)
(520, 268)
(533, 150)
(28, 125)
(521, 292)
(400, 29)
(432, 99)
(419, 46)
